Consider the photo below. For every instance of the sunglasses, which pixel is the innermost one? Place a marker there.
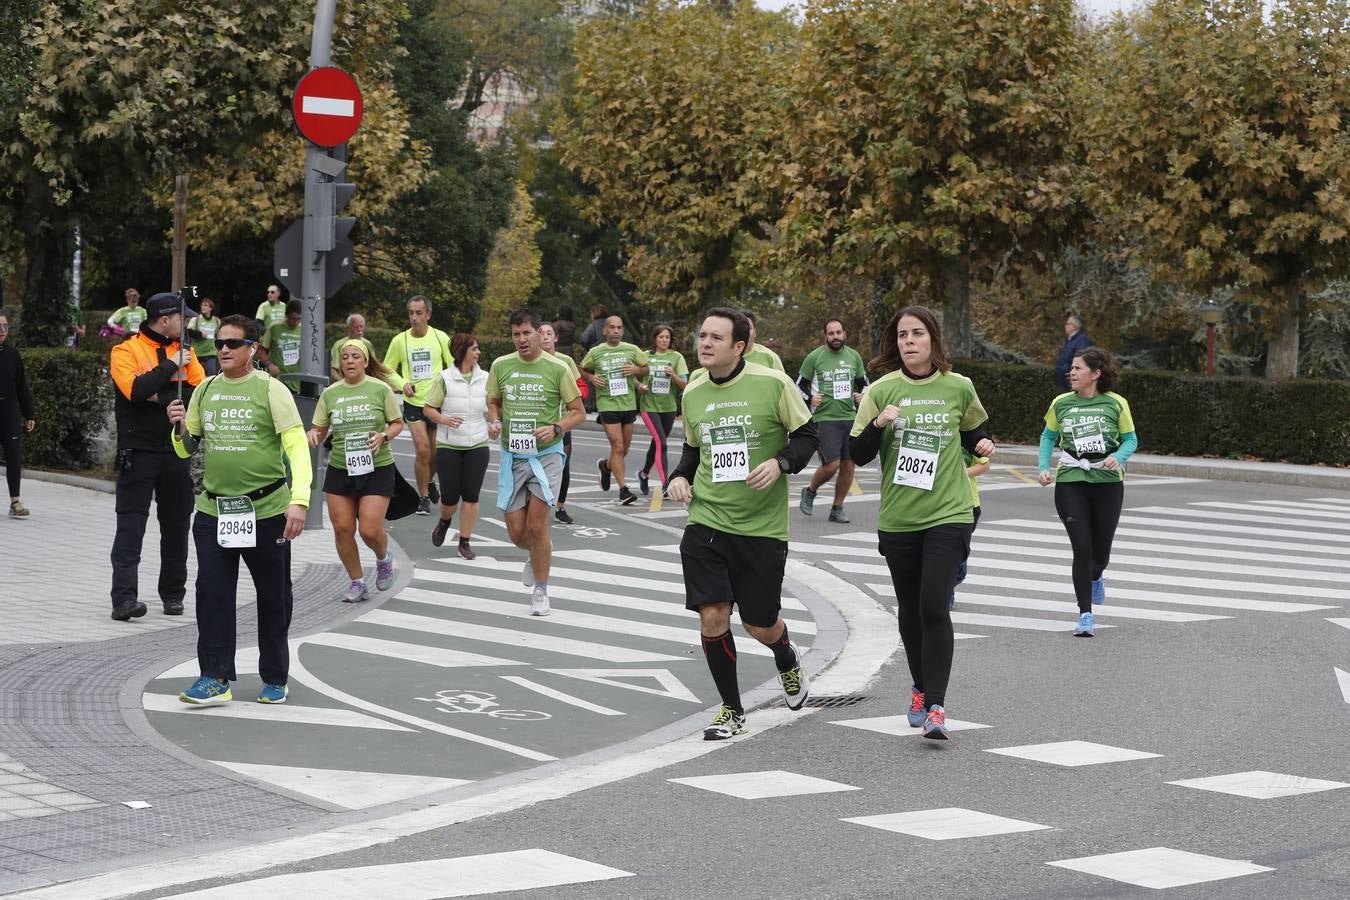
(232, 343)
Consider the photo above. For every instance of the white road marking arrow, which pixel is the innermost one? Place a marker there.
(671, 686)
(1344, 623)
(1343, 679)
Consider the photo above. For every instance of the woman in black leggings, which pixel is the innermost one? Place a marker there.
(16, 416)
(668, 375)
(1094, 431)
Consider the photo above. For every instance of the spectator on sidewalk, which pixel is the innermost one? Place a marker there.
(147, 368)
(16, 416)
(250, 429)
(595, 332)
(1076, 341)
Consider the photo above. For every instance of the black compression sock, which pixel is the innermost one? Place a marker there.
(784, 657)
(720, 652)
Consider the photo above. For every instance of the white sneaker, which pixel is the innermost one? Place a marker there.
(796, 684)
(539, 602)
(527, 575)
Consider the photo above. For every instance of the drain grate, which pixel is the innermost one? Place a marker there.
(827, 702)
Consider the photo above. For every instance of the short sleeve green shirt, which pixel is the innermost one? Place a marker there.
(418, 360)
(1089, 429)
(270, 313)
(933, 412)
(283, 349)
(661, 390)
(205, 346)
(832, 376)
(750, 415)
(620, 391)
(240, 422)
(532, 394)
(129, 318)
(353, 411)
(765, 357)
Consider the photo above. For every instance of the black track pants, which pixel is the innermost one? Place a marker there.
(1090, 513)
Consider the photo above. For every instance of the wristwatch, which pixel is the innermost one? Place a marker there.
(557, 429)
(784, 466)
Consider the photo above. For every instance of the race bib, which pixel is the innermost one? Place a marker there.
(618, 382)
(917, 459)
(420, 360)
(207, 329)
(730, 454)
(236, 523)
(842, 387)
(1088, 438)
(360, 458)
(520, 438)
(661, 380)
(134, 326)
(290, 356)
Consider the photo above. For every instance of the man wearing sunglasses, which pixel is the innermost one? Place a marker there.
(249, 428)
(146, 369)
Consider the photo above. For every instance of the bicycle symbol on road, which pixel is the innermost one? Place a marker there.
(481, 703)
(593, 531)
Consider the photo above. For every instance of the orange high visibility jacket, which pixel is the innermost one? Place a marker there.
(146, 377)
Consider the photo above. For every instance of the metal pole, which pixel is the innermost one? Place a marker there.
(180, 200)
(1209, 349)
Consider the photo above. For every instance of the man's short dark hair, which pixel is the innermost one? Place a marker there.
(248, 325)
(826, 326)
(740, 324)
(524, 316)
(294, 307)
(750, 315)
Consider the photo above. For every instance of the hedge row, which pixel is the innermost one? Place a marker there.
(72, 401)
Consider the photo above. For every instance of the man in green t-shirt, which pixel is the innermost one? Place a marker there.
(129, 317)
(415, 360)
(356, 330)
(745, 426)
(612, 368)
(271, 311)
(249, 430)
(281, 346)
(758, 353)
(832, 378)
(526, 393)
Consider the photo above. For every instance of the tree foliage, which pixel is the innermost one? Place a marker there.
(521, 42)
(1215, 131)
(673, 127)
(929, 142)
(513, 267)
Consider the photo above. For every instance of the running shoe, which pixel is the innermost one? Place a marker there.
(18, 511)
(626, 497)
(643, 483)
(1099, 591)
(726, 724)
(424, 506)
(465, 551)
(935, 725)
(129, 611)
(439, 532)
(808, 501)
(604, 474)
(561, 515)
(384, 573)
(527, 575)
(173, 607)
(837, 514)
(433, 492)
(539, 601)
(273, 693)
(796, 684)
(207, 691)
(916, 708)
(1086, 622)
(356, 592)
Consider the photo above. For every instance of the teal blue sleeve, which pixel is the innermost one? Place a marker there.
(1129, 442)
(1048, 439)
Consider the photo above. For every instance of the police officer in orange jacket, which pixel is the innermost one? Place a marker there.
(147, 368)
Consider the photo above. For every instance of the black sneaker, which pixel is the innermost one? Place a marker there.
(433, 493)
(561, 515)
(604, 474)
(424, 506)
(438, 533)
(626, 497)
(173, 607)
(643, 483)
(130, 611)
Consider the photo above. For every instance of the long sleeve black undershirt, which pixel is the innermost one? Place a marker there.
(864, 448)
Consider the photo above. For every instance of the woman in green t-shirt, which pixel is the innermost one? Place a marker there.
(364, 417)
(919, 418)
(202, 329)
(1094, 431)
(667, 376)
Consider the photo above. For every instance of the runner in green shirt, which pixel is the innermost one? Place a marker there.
(758, 353)
(415, 360)
(202, 329)
(919, 418)
(745, 426)
(271, 311)
(548, 337)
(129, 317)
(526, 393)
(356, 328)
(612, 369)
(1094, 431)
(249, 429)
(281, 346)
(832, 378)
(658, 402)
(362, 414)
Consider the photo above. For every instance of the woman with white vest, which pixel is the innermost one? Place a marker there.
(457, 403)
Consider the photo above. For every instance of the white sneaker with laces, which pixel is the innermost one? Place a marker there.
(539, 601)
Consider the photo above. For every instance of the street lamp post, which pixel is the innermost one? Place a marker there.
(1210, 314)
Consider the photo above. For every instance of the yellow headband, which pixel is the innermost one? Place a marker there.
(354, 342)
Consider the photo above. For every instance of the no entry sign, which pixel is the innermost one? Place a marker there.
(327, 106)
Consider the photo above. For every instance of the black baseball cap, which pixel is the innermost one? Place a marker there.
(165, 305)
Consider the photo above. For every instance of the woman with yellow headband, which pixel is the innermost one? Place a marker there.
(364, 417)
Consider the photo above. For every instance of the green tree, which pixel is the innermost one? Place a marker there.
(673, 127)
(929, 144)
(516, 43)
(513, 267)
(1215, 131)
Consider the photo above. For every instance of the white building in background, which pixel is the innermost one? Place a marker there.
(502, 97)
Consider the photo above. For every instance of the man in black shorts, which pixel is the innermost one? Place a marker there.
(746, 427)
(612, 369)
(832, 379)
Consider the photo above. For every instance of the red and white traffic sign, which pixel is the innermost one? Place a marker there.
(327, 106)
